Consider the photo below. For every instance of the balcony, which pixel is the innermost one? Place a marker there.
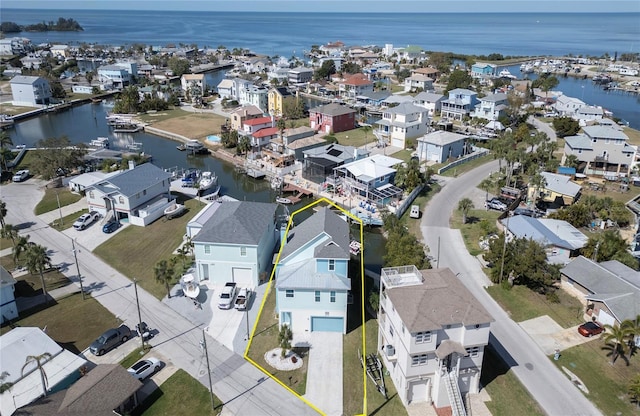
(401, 276)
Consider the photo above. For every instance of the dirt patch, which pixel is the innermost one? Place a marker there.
(196, 126)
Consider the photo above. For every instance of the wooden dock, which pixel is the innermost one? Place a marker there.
(298, 192)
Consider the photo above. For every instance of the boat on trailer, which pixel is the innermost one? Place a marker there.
(173, 210)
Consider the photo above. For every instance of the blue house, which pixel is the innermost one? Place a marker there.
(439, 146)
(461, 103)
(236, 243)
(481, 70)
(312, 275)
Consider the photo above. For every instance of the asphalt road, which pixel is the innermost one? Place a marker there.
(553, 391)
(244, 389)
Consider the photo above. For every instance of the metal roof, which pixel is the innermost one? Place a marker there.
(133, 181)
(303, 275)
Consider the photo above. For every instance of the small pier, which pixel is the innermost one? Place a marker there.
(297, 192)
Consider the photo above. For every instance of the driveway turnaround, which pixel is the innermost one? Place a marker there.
(243, 389)
(324, 374)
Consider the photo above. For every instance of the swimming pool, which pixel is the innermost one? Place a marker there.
(213, 138)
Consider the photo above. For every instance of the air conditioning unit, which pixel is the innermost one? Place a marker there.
(389, 350)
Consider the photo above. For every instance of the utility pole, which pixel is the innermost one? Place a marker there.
(504, 248)
(59, 209)
(206, 354)
(75, 256)
(438, 258)
(135, 287)
(246, 314)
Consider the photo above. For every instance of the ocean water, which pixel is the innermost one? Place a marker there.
(287, 34)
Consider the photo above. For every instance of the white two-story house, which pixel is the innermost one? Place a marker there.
(491, 107)
(405, 121)
(459, 104)
(432, 333)
(30, 91)
(312, 280)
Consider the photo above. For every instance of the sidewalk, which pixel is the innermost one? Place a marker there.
(51, 216)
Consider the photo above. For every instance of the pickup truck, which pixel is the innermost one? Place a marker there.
(21, 175)
(110, 339)
(242, 300)
(227, 296)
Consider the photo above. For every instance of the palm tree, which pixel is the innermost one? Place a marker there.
(486, 185)
(3, 212)
(4, 386)
(37, 262)
(5, 157)
(21, 246)
(243, 144)
(9, 231)
(634, 391)
(464, 206)
(164, 273)
(185, 250)
(5, 139)
(284, 337)
(616, 339)
(39, 360)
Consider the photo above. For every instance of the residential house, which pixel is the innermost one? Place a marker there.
(252, 125)
(373, 99)
(319, 162)
(557, 190)
(589, 113)
(439, 146)
(244, 113)
(332, 48)
(60, 51)
(300, 75)
(393, 99)
(412, 53)
(483, 70)
(297, 141)
(16, 346)
(403, 122)
(31, 62)
(257, 96)
(602, 151)
(370, 178)
(8, 307)
(560, 239)
(236, 243)
(277, 97)
(432, 335)
(278, 73)
(567, 106)
(460, 103)
(115, 76)
(332, 118)
(140, 193)
(30, 91)
(255, 64)
(418, 82)
(491, 107)
(611, 289)
(429, 100)
(432, 73)
(188, 81)
(355, 85)
(15, 46)
(225, 88)
(88, 64)
(312, 275)
(106, 390)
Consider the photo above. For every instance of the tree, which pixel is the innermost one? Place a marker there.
(5, 156)
(3, 212)
(565, 126)
(60, 154)
(409, 176)
(634, 390)
(402, 247)
(327, 68)
(185, 250)
(37, 261)
(292, 108)
(164, 274)
(5, 139)
(615, 339)
(10, 232)
(464, 206)
(178, 66)
(486, 185)
(458, 79)
(39, 361)
(229, 138)
(284, 338)
(4, 385)
(572, 161)
(244, 145)
(21, 246)
(128, 102)
(609, 245)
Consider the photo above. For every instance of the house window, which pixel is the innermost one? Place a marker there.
(418, 360)
(391, 331)
(332, 265)
(332, 296)
(243, 251)
(121, 199)
(144, 192)
(422, 337)
(207, 249)
(317, 296)
(289, 293)
(91, 194)
(472, 352)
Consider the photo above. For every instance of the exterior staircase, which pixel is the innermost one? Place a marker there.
(455, 398)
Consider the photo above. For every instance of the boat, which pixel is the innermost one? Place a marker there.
(276, 183)
(506, 74)
(354, 247)
(190, 286)
(127, 128)
(196, 148)
(6, 121)
(181, 147)
(190, 178)
(100, 142)
(207, 181)
(173, 210)
(282, 200)
(96, 100)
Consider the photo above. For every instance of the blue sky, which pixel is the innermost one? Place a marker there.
(489, 6)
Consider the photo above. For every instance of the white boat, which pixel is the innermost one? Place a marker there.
(506, 74)
(173, 210)
(190, 286)
(207, 181)
(100, 142)
(195, 147)
(281, 200)
(276, 182)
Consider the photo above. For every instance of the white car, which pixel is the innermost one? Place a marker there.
(21, 175)
(415, 211)
(145, 368)
(227, 296)
(86, 220)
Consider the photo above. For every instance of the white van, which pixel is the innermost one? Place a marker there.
(415, 211)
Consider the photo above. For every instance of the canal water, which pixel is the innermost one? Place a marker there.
(86, 122)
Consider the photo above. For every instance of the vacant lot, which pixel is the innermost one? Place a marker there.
(480, 223)
(29, 285)
(192, 125)
(49, 201)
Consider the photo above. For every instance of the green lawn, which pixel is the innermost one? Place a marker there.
(163, 115)
(30, 285)
(607, 384)
(421, 200)
(72, 322)
(181, 394)
(49, 201)
(522, 304)
(404, 154)
(634, 135)
(67, 221)
(356, 137)
(465, 167)
(266, 338)
(135, 356)
(135, 251)
(480, 222)
(508, 396)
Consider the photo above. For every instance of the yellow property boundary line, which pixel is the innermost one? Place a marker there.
(268, 290)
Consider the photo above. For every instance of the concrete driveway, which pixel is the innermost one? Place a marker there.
(324, 374)
(550, 336)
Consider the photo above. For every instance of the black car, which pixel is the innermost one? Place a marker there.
(110, 227)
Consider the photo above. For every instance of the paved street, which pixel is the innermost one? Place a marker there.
(243, 388)
(553, 390)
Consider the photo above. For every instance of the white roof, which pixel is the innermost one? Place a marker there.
(372, 167)
(560, 184)
(225, 83)
(442, 138)
(91, 178)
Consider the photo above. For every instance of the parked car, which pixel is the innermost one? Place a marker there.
(227, 296)
(495, 203)
(110, 227)
(528, 212)
(242, 300)
(415, 211)
(110, 339)
(589, 329)
(145, 368)
(86, 220)
(21, 175)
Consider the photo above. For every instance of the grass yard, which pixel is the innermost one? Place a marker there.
(49, 201)
(634, 135)
(612, 191)
(30, 285)
(607, 383)
(192, 125)
(135, 356)
(13, 110)
(508, 396)
(163, 115)
(465, 167)
(67, 221)
(181, 394)
(480, 223)
(404, 155)
(266, 338)
(135, 251)
(522, 303)
(356, 137)
(72, 322)
(413, 224)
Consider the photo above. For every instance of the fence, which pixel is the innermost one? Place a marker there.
(407, 202)
(478, 153)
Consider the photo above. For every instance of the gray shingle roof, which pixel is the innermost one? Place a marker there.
(440, 300)
(546, 232)
(333, 109)
(242, 222)
(579, 142)
(406, 108)
(24, 79)
(430, 97)
(323, 221)
(133, 181)
(604, 132)
(561, 184)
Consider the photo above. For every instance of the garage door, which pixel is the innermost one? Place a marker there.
(417, 391)
(397, 143)
(242, 277)
(605, 319)
(327, 324)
